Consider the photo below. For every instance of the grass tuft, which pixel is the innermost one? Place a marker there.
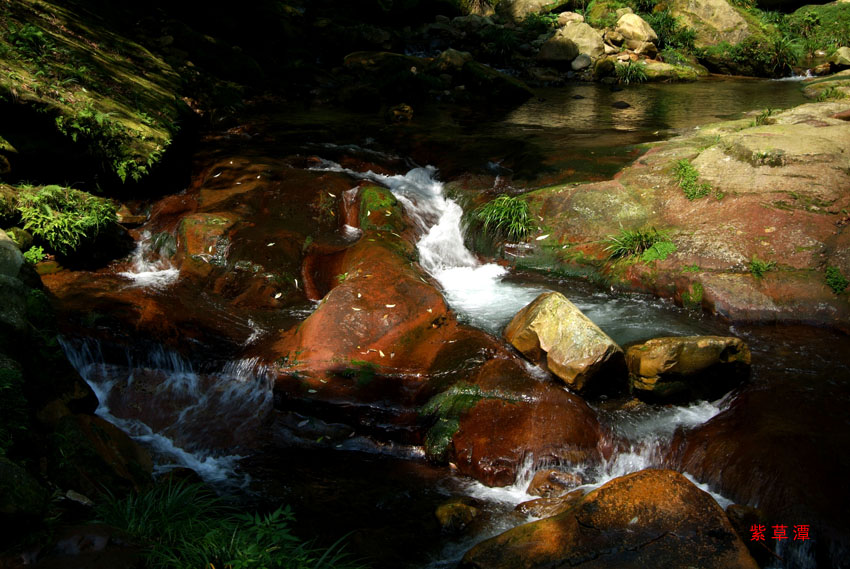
(634, 242)
(628, 73)
(505, 217)
(759, 267)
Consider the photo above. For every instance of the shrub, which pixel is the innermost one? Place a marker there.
(628, 73)
(688, 179)
(185, 526)
(632, 242)
(759, 267)
(836, 280)
(785, 53)
(535, 24)
(506, 217)
(64, 218)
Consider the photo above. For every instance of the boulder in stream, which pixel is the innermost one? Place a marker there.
(687, 367)
(553, 332)
(651, 518)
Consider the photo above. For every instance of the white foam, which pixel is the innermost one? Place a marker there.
(144, 272)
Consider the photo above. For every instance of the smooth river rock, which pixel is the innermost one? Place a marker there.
(553, 332)
(652, 518)
(687, 367)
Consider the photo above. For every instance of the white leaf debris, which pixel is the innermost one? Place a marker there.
(542, 237)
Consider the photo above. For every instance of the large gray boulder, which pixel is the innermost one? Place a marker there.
(555, 334)
(587, 39)
(10, 256)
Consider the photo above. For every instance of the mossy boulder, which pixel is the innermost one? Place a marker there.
(714, 21)
(518, 10)
(22, 499)
(380, 210)
(10, 256)
(665, 72)
(102, 89)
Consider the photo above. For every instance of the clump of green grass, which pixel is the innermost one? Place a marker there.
(832, 93)
(505, 217)
(184, 526)
(763, 116)
(836, 280)
(688, 179)
(628, 73)
(634, 242)
(759, 267)
(64, 218)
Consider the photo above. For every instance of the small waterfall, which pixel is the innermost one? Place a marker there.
(476, 291)
(148, 269)
(186, 418)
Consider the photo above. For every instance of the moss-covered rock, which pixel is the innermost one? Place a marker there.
(22, 498)
(102, 89)
(658, 71)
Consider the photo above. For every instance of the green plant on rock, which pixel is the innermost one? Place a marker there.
(64, 218)
(659, 251)
(447, 408)
(836, 280)
(628, 73)
(634, 242)
(671, 34)
(184, 526)
(688, 179)
(505, 217)
(34, 255)
(763, 117)
(786, 52)
(832, 93)
(759, 267)
(692, 298)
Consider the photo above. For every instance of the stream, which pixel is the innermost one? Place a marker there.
(385, 493)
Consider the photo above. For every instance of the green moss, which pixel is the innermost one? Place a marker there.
(692, 298)
(39, 311)
(103, 90)
(836, 280)
(603, 13)
(688, 179)
(759, 267)
(380, 210)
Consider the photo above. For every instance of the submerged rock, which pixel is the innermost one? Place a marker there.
(552, 483)
(652, 518)
(553, 332)
(455, 515)
(687, 367)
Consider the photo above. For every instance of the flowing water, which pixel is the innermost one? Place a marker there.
(386, 491)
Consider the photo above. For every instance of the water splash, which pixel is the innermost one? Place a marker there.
(475, 290)
(148, 269)
(186, 418)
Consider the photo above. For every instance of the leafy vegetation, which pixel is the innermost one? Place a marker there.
(634, 242)
(64, 218)
(628, 73)
(688, 179)
(505, 217)
(184, 526)
(822, 27)
(671, 34)
(535, 24)
(693, 298)
(659, 251)
(836, 280)
(763, 117)
(447, 407)
(34, 255)
(759, 267)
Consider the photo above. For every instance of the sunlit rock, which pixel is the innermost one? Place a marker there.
(633, 27)
(652, 518)
(687, 367)
(553, 332)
